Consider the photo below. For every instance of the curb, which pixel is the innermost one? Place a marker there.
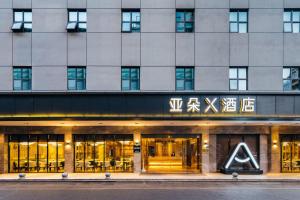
(148, 180)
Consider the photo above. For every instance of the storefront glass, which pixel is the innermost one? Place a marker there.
(290, 153)
(36, 153)
(103, 153)
(171, 153)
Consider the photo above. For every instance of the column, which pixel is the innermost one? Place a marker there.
(69, 156)
(3, 153)
(275, 151)
(137, 156)
(2, 141)
(212, 153)
(205, 151)
(263, 153)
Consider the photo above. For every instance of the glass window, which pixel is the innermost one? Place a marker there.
(184, 20)
(103, 153)
(76, 78)
(22, 21)
(238, 78)
(36, 153)
(291, 78)
(131, 20)
(291, 21)
(130, 78)
(184, 78)
(290, 153)
(238, 20)
(22, 78)
(77, 21)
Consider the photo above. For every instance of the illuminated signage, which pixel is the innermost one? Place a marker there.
(235, 159)
(213, 105)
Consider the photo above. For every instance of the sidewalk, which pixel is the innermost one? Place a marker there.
(123, 177)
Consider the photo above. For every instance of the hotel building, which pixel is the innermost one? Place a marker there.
(150, 86)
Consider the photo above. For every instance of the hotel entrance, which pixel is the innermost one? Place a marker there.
(290, 153)
(171, 153)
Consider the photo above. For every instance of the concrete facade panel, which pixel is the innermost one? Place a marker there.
(211, 20)
(77, 49)
(291, 49)
(265, 78)
(54, 54)
(212, 78)
(53, 78)
(265, 20)
(158, 49)
(265, 49)
(104, 49)
(98, 77)
(49, 20)
(104, 4)
(157, 20)
(212, 49)
(104, 20)
(6, 49)
(131, 49)
(158, 78)
(22, 49)
(185, 49)
(239, 49)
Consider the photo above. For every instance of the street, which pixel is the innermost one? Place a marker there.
(149, 191)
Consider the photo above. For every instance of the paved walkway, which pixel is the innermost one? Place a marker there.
(151, 177)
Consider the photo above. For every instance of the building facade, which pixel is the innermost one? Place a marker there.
(140, 86)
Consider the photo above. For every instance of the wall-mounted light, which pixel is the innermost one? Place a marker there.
(68, 144)
(205, 144)
(274, 143)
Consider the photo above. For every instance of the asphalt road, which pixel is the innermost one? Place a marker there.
(150, 191)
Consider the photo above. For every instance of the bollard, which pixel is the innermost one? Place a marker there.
(64, 175)
(22, 176)
(107, 175)
(235, 176)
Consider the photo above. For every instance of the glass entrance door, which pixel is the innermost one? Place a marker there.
(171, 153)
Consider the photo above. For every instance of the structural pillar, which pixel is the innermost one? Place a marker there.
(275, 151)
(205, 151)
(137, 155)
(263, 153)
(2, 141)
(69, 156)
(212, 153)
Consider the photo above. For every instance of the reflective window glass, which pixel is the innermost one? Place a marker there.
(130, 78)
(184, 78)
(291, 78)
(76, 78)
(238, 21)
(184, 20)
(131, 20)
(238, 78)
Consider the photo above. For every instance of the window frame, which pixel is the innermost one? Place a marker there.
(138, 79)
(76, 79)
(22, 68)
(291, 21)
(238, 22)
(290, 78)
(238, 79)
(23, 22)
(185, 79)
(185, 11)
(131, 22)
(78, 22)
